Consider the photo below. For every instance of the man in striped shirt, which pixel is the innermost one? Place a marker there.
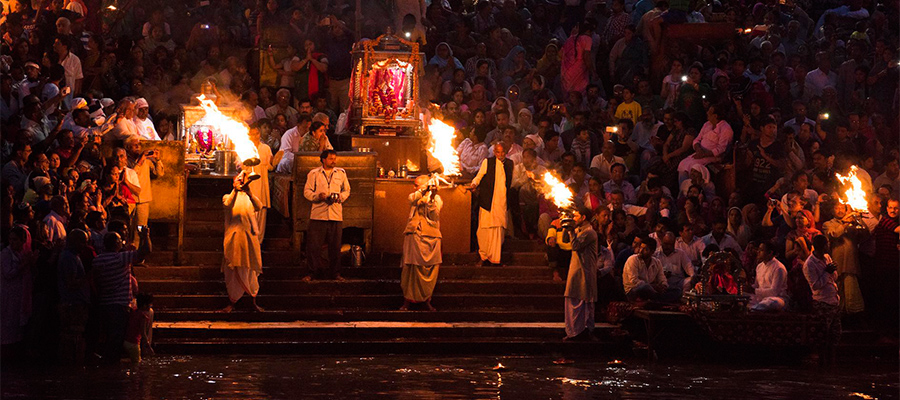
(111, 274)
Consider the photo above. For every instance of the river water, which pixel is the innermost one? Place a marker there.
(443, 377)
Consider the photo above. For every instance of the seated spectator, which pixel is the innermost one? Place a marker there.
(617, 182)
(676, 265)
(770, 286)
(644, 278)
(720, 237)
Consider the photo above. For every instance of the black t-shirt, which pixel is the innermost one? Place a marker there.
(764, 174)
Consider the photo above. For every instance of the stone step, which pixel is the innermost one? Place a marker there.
(349, 287)
(523, 245)
(356, 330)
(217, 229)
(473, 315)
(167, 257)
(459, 302)
(287, 257)
(469, 272)
(425, 346)
(216, 243)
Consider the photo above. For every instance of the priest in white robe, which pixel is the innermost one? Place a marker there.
(771, 285)
(421, 245)
(581, 283)
(260, 187)
(242, 262)
(493, 181)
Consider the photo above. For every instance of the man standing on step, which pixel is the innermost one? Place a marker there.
(493, 181)
(146, 164)
(421, 245)
(327, 187)
(242, 262)
(581, 283)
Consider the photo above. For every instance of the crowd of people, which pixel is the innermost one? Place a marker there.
(673, 147)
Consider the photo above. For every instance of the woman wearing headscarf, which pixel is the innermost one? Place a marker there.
(514, 68)
(446, 63)
(549, 63)
(737, 228)
(502, 103)
(526, 123)
(798, 242)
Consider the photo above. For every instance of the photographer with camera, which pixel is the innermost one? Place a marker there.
(147, 166)
(327, 187)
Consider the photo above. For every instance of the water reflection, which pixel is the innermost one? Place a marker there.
(418, 377)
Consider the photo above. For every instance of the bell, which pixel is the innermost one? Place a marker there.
(251, 162)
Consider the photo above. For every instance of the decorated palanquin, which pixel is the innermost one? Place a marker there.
(384, 87)
(201, 137)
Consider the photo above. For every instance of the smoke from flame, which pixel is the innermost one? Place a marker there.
(441, 146)
(557, 191)
(237, 132)
(856, 196)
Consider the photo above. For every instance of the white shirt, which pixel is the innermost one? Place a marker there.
(637, 271)
(601, 163)
(816, 81)
(771, 280)
(821, 282)
(694, 249)
(715, 138)
(290, 143)
(642, 134)
(72, 65)
(728, 242)
(56, 227)
(145, 128)
(471, 155)
(678, 264)
(319, 181)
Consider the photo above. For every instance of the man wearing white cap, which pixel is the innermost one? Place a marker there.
(143, 122)
(31, 81)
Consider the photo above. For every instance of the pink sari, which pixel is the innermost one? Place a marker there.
(574, 72)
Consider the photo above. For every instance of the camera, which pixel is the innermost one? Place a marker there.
(831, 268)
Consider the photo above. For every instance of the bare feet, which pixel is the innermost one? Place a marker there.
(429, 307)
(227, 309)
(256, 307)
(556, 277)
(340, 278)
(307, 278)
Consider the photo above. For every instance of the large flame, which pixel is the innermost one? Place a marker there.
(557, 191)
(237, 132)
(441, 146)
(856, 196)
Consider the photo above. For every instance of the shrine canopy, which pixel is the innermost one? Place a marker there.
(384, 87)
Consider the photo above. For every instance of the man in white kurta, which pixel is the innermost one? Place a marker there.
(242, 261)
(421, 245)
(260, 187)
(771, 290)
(493, 180)
(676, 264)
(581, 283)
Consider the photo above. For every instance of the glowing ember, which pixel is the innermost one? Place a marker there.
(441, 146)
(856, 196)
(557, 191)
(237, 132)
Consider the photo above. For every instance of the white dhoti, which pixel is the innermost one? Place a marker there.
(242, 261)
(492, 224)
(261, 222)
(579, 316)
(240, 281)
(490, 242)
